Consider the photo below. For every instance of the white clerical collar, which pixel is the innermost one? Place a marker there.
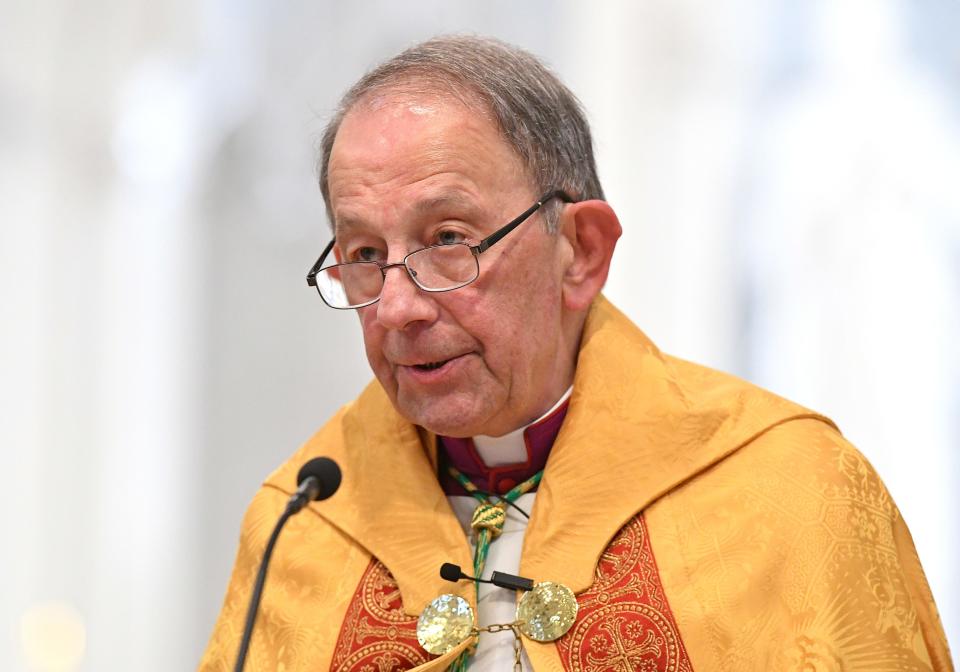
(496, 451)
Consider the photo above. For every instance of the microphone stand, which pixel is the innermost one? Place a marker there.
(318, 479)
(258, 590)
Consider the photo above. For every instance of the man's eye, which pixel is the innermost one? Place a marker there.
(366, 254)
(448, 237)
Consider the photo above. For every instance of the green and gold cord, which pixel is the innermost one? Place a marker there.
(487, 523)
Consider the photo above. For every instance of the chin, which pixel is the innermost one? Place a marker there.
(444, 418)
(443, 424)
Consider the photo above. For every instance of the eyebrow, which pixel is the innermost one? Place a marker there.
(453, 199)
(344, 225)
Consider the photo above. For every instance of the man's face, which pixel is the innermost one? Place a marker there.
(411, 171)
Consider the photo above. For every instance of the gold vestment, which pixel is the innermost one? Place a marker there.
(775, 543)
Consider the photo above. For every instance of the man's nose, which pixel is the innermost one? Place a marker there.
(402, 302)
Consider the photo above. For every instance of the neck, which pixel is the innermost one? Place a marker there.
(496, 464)
(496, 451)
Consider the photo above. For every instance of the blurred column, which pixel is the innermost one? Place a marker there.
(668, 86)
(98, 402)
(150, 387)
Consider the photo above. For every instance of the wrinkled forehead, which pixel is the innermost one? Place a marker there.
(416, 108)
(424, 94)
(404, 142)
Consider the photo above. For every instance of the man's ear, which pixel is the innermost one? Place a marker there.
(592, 229)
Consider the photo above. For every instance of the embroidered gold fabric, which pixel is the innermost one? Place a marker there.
(376, 633)
(776, 545)
(790, 555)
(625, 619)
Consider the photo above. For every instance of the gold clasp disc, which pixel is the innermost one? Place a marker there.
(444, 624)
(547, 612)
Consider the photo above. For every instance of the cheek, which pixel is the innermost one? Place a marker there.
(538, 314)
(537, 298)
(372, 339)
(521, 326)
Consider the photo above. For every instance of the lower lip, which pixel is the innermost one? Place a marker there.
(433, 376)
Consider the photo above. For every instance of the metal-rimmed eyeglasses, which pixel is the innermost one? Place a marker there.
(438, 268)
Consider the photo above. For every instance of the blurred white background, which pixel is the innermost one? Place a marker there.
(786, 173)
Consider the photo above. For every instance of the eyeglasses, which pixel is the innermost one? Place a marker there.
(438, 268)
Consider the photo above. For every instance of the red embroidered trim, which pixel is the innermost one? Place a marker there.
(625, 623)
(376, 635)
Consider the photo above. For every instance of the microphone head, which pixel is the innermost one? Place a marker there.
(450, 572)
(325, 471)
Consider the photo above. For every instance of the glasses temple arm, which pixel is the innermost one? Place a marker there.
(495, 237)
(312, 275)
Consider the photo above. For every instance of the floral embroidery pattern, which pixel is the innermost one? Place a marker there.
(625, 623)
(377, 636)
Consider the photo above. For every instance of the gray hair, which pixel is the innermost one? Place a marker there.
(537, 115)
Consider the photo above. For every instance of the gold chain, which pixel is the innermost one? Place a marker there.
(517, 650)
(517, 641)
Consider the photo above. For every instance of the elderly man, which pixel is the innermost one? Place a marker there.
(667, 516)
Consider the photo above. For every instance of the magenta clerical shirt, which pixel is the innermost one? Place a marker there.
(538, 439)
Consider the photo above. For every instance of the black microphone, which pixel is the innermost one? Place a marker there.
(453, 573)
(318, 479)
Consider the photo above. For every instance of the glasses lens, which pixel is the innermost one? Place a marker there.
(350, 285)
(444, 266)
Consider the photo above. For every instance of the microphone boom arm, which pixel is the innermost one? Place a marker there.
(318, 479)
